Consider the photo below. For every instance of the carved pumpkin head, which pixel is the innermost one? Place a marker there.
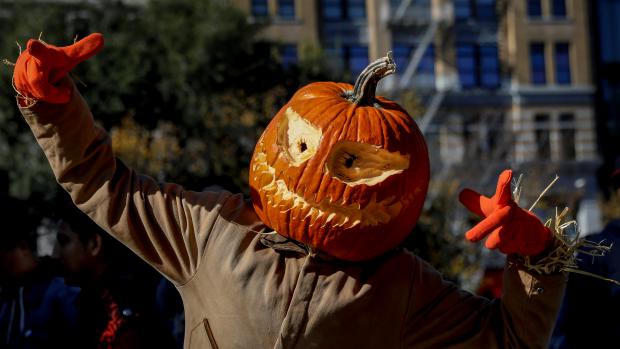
(341, 170)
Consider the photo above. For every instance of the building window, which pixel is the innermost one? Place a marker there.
(425, 73)
(534, 8)
(466, 65)
(558, 8)
(288, 55)
(259, 8)
(562, 63)
(489, 66)
(478, 66)
(427, 63)
(567, 136)
(286, 9)
(485, 10)
(332, 10)
(537, 63)
(356, 9)
(543, 141)
(357, 59)
(402, 54)
(462, 10)
(339, 10)
(350, 58)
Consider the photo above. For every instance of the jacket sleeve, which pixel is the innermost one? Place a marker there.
(440, 315)
(164, 224)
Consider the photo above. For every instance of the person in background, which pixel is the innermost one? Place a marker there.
(589, 314)
(115, 310)
(36, 306)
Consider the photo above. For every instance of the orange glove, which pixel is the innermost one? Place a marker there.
(40, 68)
(511, 228)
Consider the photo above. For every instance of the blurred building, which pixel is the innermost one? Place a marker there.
(503, 83)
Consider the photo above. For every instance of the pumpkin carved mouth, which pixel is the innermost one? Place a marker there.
(324, 212)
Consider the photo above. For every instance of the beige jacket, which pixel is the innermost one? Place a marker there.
(245, 290)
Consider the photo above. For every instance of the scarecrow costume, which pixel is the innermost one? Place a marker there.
(242, 288)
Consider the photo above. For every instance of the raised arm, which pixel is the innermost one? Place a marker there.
(163, 223)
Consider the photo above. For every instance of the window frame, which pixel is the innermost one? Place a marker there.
(474, 74)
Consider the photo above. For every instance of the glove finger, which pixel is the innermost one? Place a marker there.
(37, 49)
(503, 193)
(494, 239)
(26, 74)
(83, 49)
(476, 203)
(489, 224)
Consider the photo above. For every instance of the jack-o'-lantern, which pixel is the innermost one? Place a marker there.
(341, 170)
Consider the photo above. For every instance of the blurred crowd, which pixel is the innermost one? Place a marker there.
(91, 292)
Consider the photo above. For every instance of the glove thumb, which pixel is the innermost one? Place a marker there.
(84, 49)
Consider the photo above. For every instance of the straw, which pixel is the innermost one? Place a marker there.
(563, 255)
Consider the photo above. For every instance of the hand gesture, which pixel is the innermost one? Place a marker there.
(509, 228)
(40, 68)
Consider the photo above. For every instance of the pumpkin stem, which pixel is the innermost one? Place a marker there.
(366, 84)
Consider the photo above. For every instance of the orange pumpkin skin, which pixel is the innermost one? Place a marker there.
(309, 200)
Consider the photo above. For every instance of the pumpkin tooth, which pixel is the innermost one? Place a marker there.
(355, 223)
(277, 197)
(314, 213)
(320, 214)
(340, 219)
(330, 217)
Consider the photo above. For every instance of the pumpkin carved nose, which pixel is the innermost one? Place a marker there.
(357, 163)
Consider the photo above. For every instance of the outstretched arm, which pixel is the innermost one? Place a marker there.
(442, 316)
(163, 223)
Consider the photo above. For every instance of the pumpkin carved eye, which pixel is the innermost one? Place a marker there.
(360, 163)
(298, 139)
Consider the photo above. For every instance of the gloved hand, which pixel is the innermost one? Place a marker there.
(40, 68)
(511, 228)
